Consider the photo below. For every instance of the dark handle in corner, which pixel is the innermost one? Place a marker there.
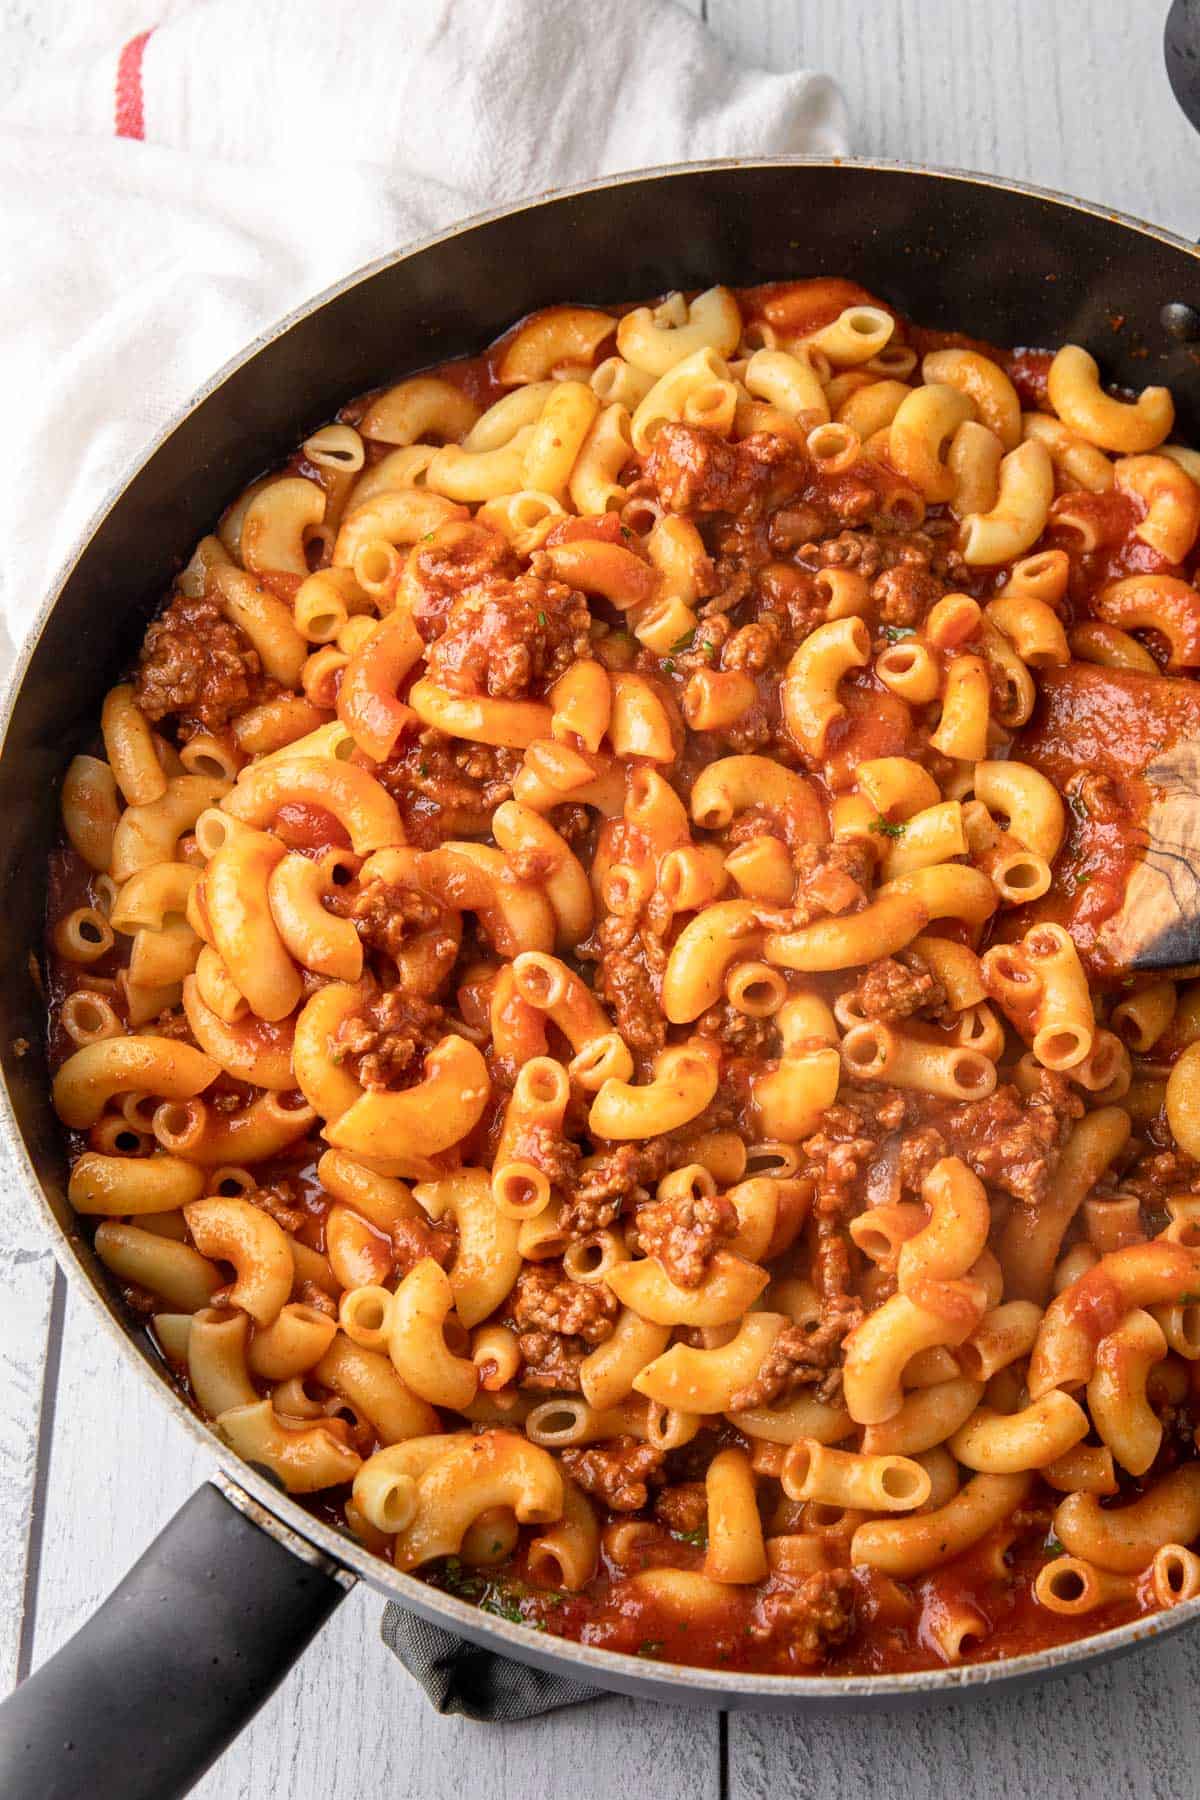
(1181, 47)
(176, 1661)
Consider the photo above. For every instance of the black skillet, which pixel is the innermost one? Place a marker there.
(151, 1690)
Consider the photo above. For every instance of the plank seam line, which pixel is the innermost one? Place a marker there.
(45, 1439)
(723, 1756)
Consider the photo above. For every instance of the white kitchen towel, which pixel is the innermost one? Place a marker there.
(178, 179)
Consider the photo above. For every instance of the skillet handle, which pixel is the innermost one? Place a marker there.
(176, 1661)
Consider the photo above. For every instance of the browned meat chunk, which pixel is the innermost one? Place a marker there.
(413, 1240)
(701, 648)
(386, 916)
(628, 987)
(905, 594)
(548, 1300)
(316, 1297)
(803, 1357)
(557, 1322)
(871, 552)
(837, 1155)
(808, 1621)
(1014, 1143)
(456, 559)
(551, 1362)
(574, 825)
(281, 1200)
(889, 990)
(608, 1186)
(446, 788)
(196, 664)
(919, 1151)
(386, 1043)
(754, 647)
(684, 1233)
(738, 1031)
(617, 1473)
(683, 1508)
(509, 637)
(1155, 1173)
(830, 878)
(861, 550)
(548, 1150)
(694, 470)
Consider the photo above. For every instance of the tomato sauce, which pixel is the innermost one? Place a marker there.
(310, 829)
(1095, 1305)
(797, 308)
(897, 1633)
(1029, 371)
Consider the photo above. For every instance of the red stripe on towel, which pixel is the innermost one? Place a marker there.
(130, 113)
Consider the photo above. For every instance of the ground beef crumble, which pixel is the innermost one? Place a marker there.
(509, 636)
(196, 665)
(905, 594)
(1158, 1172)
(281, 1201)
(919, 1150)
(558, 1321)
(682, 1508)
(684, 1233)
(755, 647)
(385, 1044)
(448, 789)
(387, 916)
(737, 1031)
(694, 470)
(836, 1161)
(316, 1297)
(1013, 1141)
(876, 552)
(453, 561)
(889, 990)
(830, 878)
(547, 1299)
(610, 1184)
(630, 985)
(557, 1157)
(810, 1620)
(803, 1357)
(836, 1156)
(415, 1239)
(573, 824)
(617, 1473)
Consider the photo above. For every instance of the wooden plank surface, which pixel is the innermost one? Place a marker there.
(1126, 1731)
(27, 1286)
(1072, 96)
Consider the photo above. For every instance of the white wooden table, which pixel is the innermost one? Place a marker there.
(1068, 93)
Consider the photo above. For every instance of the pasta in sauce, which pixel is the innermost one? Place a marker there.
(593, 997)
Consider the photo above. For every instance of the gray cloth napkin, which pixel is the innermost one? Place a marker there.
(461, 1678)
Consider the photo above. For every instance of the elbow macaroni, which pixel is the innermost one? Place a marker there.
(548, 992)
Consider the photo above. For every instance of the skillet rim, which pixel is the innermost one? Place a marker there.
(277, 1512)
